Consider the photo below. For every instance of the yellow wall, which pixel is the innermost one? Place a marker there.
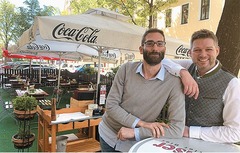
(184, 31)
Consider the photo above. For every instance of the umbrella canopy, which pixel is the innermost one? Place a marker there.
(68, 51)
(7, 54)
(100, 29)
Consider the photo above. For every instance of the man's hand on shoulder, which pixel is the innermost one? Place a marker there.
(189, 84)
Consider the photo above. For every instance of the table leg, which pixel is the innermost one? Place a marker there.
(45, 137)
(40, 132)
(53, 144)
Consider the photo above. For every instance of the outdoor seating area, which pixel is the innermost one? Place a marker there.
(76, 91)
(77, 135)
(12, 78)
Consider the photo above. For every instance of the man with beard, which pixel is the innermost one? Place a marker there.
(137, 96)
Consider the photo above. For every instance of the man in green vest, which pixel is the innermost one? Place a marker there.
(215, 115)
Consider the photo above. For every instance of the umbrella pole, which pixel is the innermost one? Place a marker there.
(40, 72)
(30, 70)
(59, 75)
(98, 74)
(59, 71)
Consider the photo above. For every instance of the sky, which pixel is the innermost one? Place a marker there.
(55, 3)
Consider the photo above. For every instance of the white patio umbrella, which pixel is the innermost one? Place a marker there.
(63, 50)
(177, 48)
(101, 30)
(70, 51)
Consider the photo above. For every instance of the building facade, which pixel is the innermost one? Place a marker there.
(186, 16)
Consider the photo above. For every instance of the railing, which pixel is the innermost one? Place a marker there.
(33, 75)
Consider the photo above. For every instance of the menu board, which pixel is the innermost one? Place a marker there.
(102, 95)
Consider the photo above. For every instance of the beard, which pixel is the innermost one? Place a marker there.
(151, 57)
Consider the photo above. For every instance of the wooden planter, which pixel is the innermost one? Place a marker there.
(23, 143)
(24, 115)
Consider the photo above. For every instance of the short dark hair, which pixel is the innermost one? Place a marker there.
(152, 30)
(204, 33)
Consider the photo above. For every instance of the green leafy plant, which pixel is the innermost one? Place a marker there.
(23, 139)
(23, 134)
(24, 110)
(115, 69)
(163, 116)
(25, 103)
(113, 73)
(89, 70)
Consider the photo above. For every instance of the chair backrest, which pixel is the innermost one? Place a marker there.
(17, 85)
(39, 97)
(83, 104)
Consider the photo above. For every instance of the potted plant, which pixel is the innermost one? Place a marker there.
(25, 107)
(24, 138)
(24, 110)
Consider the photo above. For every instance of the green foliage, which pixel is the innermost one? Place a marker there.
(140, 11)
(115, 69)
(163, 116)
(89, 70)
(81, 6)
(27, 14)
(23, 134)
(25, 103)
(113, 73)
(7, 25)
(14, 21)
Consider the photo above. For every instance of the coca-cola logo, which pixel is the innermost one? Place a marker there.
(129, 56)
(34, 46)
(182, 51)
(86, 34)
(27, 52)
(109, 55)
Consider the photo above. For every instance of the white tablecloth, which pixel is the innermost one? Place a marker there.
(181, 145)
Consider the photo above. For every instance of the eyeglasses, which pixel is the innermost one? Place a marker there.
(152, 43)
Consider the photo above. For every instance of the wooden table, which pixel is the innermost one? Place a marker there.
(17, 84)
(84, 94)
(38, 94)
(65, 85)
(48, 128)
(51, 82)
(17, 80)
(181, 145)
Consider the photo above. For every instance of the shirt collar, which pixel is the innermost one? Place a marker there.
(214, 68)
(160, 74)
